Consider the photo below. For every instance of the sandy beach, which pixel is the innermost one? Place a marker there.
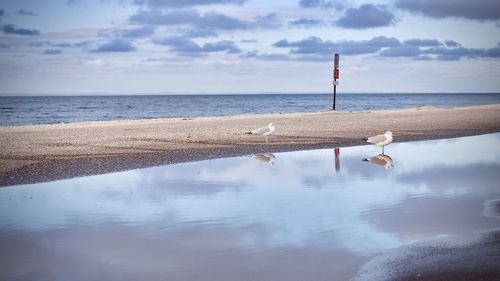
(38, 153)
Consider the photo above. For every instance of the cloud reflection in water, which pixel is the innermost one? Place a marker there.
(298, 205)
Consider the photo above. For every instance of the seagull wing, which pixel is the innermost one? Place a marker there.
(377, 139)
(270, 131)
(261, 130)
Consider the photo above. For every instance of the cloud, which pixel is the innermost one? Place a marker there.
(57, 45)
(12, 29)
(366, 16)
(451, 43)
(156, 17)
(84, 44)
(401, 51)
(443, 53)
(309, 3)
(93, 63)
(475, 10)
(306, 23)
(179, 44)
(287, 57)
(423, 58)
(269, 21)
(62, 45)
(185, 47)
(23, 12)
(315, 45)
(423, 42)
(139, 32)
(492, 53)
(116, 45)
(321, 4)
(266, 57)
(199, 33)
(256, 41)
(316, 49)
(309, 45)
(284, 57)
(209, 20)
(1, 15)
(52, 52)
(39, 44)
(220, 46)
(184, 3)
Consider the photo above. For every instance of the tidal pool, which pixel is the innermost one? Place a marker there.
(307, 215)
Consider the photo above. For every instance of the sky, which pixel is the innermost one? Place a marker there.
(248, 46)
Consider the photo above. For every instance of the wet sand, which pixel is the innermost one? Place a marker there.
(49, 152)
(438, 260)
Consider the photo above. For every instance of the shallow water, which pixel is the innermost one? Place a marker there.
(308, 215)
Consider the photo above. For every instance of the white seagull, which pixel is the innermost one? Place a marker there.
(381, 140)
(264, 131)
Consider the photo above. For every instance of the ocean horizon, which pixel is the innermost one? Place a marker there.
(56, 109)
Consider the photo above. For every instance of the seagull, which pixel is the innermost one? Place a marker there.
(265, 157)
(381, 140)
(381, 159)
(264, 131)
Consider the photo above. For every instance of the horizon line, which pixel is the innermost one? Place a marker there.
(221, 94)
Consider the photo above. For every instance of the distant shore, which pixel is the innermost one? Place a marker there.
(37, 153)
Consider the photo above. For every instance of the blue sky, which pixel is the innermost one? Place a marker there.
(248, 46)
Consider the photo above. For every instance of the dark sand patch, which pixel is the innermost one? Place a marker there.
(442, 259)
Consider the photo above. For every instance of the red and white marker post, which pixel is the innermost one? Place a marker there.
(335, 77)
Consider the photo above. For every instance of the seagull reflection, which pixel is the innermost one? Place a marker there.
(382, 160)
(265, 157)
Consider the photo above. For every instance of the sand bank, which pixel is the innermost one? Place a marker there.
(48, 152)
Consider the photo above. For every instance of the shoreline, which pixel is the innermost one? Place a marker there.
(39, 153)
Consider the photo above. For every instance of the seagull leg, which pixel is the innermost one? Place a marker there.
(383, 150)
(266, 140)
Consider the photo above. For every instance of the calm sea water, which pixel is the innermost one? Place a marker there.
(305, 215)
(64, 109)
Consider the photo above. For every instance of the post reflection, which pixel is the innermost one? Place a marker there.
(382, 160)
(265, 157)
(337, 159)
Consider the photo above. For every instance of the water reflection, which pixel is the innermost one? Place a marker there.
(229, 219)
(382, 160)
(265, 157)
(336, 151)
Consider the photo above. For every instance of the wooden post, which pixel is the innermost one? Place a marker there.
(334, 94)
(335, 77)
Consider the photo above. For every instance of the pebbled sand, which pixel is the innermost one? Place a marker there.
(48, 152)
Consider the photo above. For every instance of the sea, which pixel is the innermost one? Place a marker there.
(26, 110)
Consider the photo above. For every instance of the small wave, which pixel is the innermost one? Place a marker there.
(86, 107)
